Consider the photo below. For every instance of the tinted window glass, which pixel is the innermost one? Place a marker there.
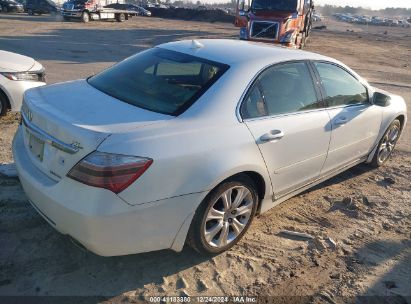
(254, 106)
(159, 80)
(286, 88)
(340, 86)
(278, 5)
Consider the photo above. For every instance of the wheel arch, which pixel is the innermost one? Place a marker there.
(257, 178)
(2, 92)
(402, 118)
(262, 188)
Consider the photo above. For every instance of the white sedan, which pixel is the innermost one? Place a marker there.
(187, 141)
(17, 74)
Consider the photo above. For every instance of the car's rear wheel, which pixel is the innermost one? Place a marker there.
(30, 12)
(85, 17)
(387, 144)
(121, 17)
(224, 216)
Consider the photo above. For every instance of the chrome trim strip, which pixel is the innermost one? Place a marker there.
(71, 149)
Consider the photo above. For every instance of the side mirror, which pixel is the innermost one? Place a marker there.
(382, 100)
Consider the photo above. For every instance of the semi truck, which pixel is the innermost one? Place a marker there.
(286, 22)
(87, 10)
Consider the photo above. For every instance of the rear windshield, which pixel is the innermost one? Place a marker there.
(275, 5)
(159, 80)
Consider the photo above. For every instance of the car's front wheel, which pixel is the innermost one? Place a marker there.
(3, 104)
(224, 216)
(387, 144)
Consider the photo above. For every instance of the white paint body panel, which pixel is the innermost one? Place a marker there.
(14, 90)
(355, 138)
(299, 156)
(191, 153)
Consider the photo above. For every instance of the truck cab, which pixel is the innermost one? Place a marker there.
(286, 22)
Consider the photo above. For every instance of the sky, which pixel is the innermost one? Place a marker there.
(373, 4)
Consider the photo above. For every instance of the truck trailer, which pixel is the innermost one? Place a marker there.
(87, 10)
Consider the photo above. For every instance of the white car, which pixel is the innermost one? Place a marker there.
(17, 74)
(189, 140)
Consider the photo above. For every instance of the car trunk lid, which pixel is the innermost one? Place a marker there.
(65, 122)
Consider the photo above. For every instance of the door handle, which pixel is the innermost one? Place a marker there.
(272, 136)
(341, 121)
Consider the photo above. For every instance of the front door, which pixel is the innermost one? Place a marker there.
(289, 124)
(355, 122)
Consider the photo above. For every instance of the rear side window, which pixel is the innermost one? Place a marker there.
(159, 80)
(281, 89)
(340, 86)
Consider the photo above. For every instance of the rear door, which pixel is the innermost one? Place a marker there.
(355, 121)
(284, 113)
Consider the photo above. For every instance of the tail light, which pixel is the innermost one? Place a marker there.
(114, 172)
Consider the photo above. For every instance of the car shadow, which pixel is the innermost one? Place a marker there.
(25, 17)
(39, 261)
(351, 173)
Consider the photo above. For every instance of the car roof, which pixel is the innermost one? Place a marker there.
(238, 52)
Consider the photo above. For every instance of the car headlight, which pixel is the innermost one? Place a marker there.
(25, 76)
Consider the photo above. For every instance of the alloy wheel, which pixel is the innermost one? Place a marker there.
(228, 216)
(388, 143)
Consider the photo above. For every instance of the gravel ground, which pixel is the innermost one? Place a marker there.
(361, 219)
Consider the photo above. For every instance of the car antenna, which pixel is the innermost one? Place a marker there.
(195, 44)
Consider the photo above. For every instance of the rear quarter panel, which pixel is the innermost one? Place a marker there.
(187, 157)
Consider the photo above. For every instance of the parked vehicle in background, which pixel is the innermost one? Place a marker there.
(11, 6)
(404, 23)
(17, 74)
(87, 10)
(374, 20)
(138, 10)
(317, 17)
(287, 22)
(101, 159)
(42, 7)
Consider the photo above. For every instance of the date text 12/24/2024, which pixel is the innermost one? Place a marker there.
(203, 299)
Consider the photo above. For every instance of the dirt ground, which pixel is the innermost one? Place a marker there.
(361, 219)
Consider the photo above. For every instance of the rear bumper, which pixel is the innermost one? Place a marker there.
(99, 219)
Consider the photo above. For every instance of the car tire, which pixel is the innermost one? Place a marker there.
(121, 17)
(218, 226)
(85, 17)
(30, 12)
(5, 9)
(3, 104)
(387, 144)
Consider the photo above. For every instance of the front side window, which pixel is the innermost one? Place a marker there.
(159, 80)
(281, 89)
(341, 87)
